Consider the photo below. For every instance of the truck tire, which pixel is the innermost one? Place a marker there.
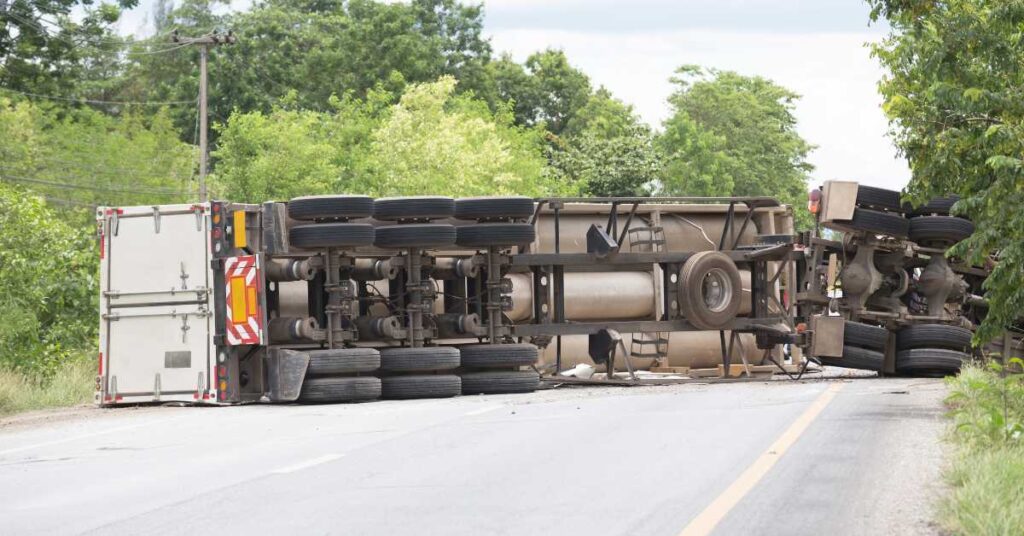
(482, 356)
(488, 383)
(483, 235)
(415, 235)
(342, 361)
(494, 208)
(424, 359)
(710, 290)
(322, 207)
(413, 208)
(421, 386)
(856, 358)
(934, 336)
(865, 336)
(939, 230)
(340, 389)
(878, 198)
(930, 361)
(940, 206)
(331, 235)
(884, 223)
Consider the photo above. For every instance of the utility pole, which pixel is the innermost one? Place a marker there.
(204, 43)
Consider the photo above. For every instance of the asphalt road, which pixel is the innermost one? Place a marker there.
(815, 457)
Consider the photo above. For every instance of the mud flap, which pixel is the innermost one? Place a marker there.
(285, 371)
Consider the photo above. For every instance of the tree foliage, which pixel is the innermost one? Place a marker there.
(85, 157)
(44, 49)
(48, 277)
(311, 50)
(546, 90)
(954, 98)
(431, 141)
(734, 135)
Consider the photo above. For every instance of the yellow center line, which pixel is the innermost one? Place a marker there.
(715, 512)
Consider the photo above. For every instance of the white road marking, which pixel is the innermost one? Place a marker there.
(307, 464)
(482, 410)
(86, 436)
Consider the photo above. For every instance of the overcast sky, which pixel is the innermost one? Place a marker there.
(814, 47)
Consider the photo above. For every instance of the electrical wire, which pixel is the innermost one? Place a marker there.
(95, 101)
(64, 185)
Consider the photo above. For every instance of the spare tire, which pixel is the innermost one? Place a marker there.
(499, 355)
(942, 231)
(884, 223)
(879, 198)
(856, 358)
(934, 336)
(709, 290)
(930, 361)
(331, 235)
(421, 386)
(419, 359)
(340, 389)
(415, 235)
(483, 383)
(481, 235)
(413, 208)
(319, 207)
(343, 361)
(865, 336)
(494, 208)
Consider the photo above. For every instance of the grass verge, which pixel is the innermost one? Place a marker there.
(72, 384)
(987, 473)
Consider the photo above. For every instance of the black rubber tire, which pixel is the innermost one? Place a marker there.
(331, 235)
(340, 389)
(413, 208)
(856, 358)
(930, 362)
(865, 336)
(480, 356)
(939, 230)
(934, 336)
(492, 383)
(342, 361)
(421, 386)
(940, 206)
(878, 198)
(691, 301)
(415, 235)
(885, 223)
(424, 359)
(494, 208)
(482, 235)
(322, 207)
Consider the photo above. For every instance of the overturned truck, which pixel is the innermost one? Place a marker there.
(347, 298)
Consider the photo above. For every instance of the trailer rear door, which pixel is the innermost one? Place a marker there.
(155, 304)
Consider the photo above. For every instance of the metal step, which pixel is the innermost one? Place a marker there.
(650, 345)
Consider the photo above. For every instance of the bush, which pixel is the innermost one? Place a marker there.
(987, 475)
(48, 286)
(70, 384)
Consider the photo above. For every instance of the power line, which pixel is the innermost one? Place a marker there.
(114, 41)
(66, 185)
(103, 170)
(94, 101)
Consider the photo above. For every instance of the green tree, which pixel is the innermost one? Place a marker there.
(625, 165)
(431, 141)
(44, 49)
(545, 90)
(316, 48)
(48, 277)
(953, 96)
(734, 135)
(85, 157)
